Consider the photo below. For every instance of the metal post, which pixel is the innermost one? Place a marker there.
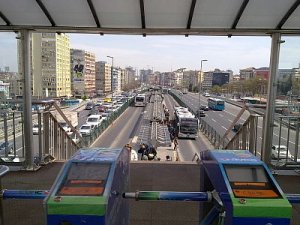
(26, 71)
(112, 69)
(200, 83)
(272, 86)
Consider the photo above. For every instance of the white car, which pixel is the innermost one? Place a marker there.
(65, 126)
(35, 129)
(94, 120)
(86, 129)
(283, 152)
(105, 115)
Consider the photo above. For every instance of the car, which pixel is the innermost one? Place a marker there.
(65, 126)
(206, 94)
(201, 113)
(94, 120)
(94, 111)
(86, 129)
(6, 147)
(105, 115)
(283, 152)
(35, 129)
(204, 107)
(237, 127)
(89, 106)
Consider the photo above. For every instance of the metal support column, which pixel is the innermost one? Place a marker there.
(26, 72)
(272, 86)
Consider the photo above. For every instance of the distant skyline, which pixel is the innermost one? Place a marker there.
(166, 53)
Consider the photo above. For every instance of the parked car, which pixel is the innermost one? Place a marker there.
(283, 152)
(204, 107)
(86, 129)
(6, 147)
(35, 129)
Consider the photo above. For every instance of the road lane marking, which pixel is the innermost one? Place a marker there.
(224, 127)
(214, 120)
(230, 121)
(221, 115)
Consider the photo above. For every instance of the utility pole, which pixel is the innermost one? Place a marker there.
(200, 81)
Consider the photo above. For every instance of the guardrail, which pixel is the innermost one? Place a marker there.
(51, 140)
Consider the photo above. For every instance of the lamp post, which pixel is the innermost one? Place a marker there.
(200, 83)
(112, 68)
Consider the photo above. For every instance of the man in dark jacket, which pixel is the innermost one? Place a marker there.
(148, 153)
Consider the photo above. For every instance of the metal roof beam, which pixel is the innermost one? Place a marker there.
(4, 18)
(288, 14)
(191, 14)
(239, 14)
(142, 7)
(92, 8)
(46, 12)
(153, 31)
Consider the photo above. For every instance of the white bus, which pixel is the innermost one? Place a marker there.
(140, 100)
(186, 123)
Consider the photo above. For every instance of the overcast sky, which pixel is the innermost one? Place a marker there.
(166, 53)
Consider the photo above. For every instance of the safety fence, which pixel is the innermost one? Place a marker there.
(50, 140)
(249, 136)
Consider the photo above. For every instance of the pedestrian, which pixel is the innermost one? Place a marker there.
(168, 158)
(175, 143)
(143, 151)
(151, 153)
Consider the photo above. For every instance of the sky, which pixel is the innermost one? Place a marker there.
(167, 53)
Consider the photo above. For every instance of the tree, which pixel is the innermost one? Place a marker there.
(216, 89)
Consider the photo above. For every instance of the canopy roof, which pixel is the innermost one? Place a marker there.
(186, 17)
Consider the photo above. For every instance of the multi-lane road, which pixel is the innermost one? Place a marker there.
(126, 128)
(221, 121)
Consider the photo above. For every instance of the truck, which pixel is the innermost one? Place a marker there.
(71, 116)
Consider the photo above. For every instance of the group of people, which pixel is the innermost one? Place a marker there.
(147, 152)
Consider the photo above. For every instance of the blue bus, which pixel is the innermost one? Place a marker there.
(216, 104)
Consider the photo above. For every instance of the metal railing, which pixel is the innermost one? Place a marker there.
(250, 136)
(51, 141)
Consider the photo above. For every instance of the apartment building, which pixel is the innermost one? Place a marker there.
(51, 65)
(83, 73)
(116, 79)
(103, 77)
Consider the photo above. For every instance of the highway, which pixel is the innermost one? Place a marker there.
(187, 147)
(221, 120)
(126, 128)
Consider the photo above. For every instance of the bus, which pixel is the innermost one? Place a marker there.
(216, 104)
(251, 100)
(140, 100)
(186, 123)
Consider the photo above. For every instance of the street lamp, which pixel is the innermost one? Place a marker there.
(200, 83)
(112, 67)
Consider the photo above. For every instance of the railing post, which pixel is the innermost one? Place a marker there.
(252, 133)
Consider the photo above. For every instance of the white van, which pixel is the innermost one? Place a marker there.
(94, 120)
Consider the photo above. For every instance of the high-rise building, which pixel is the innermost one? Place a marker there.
(116, 82)
(83, 73)
(103, 77)
(51, 65)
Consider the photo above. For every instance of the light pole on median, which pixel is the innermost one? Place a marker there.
(200, 81)
(111, 76)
